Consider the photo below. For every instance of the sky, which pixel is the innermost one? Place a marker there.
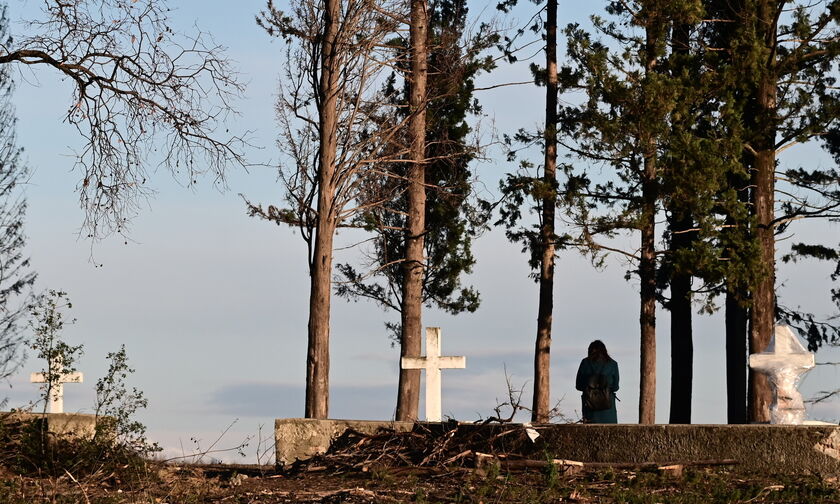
(212, 304)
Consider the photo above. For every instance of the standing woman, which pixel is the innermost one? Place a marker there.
(597, 378)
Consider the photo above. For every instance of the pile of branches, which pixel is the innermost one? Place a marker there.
(426, 448)
(435, 449)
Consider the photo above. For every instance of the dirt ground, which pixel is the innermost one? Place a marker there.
(199, 484)
(448, 464)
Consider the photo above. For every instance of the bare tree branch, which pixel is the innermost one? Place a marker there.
(138, 89)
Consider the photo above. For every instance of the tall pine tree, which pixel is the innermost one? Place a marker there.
(653, 115)
(780, 56)
(623, 124)
(540, 240)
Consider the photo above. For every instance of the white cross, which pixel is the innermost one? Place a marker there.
(56, 398)
(433, 362)
(784, 361)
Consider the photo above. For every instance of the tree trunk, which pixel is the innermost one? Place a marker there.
(763, 312)
(413, 268)
(647, 315)
(647, 260)
(682, 341)
(737, 315)
(320, 268)
(542, 352)
(647, 277)
(736, 359)
(318, 352)
(682, 345)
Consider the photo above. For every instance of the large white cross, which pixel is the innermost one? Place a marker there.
(784, 361)
(433, 362)
(56, 398)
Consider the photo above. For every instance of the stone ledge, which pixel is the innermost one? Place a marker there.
(72, 425)
(303, 438)
(773, 449)
(788, 449)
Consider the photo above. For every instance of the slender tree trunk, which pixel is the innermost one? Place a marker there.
(320, 269)
(542, 352)
(413, 268)
(763, 312)
(737, 317)
(647, 261)
(318, 352)
(647, 276)
(647, 315)
(736, 359)
(682, 341)
(682, 345)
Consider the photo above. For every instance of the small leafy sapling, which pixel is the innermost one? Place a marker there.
(116, 407)
(47, 322)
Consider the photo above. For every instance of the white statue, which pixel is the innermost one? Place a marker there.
(784, 362)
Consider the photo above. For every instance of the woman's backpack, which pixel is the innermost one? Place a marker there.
(597, 395)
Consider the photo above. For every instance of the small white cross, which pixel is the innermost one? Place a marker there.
(784, 361)
(56, 398)
(433, 362)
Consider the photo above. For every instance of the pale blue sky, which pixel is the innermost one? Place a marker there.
(211, 304)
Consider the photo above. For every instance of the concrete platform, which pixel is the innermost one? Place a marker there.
(303, 438)
(74, 425)
(776, 449)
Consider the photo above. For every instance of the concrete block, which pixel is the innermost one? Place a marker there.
(72, 425)
(770, 449)
(303, 438)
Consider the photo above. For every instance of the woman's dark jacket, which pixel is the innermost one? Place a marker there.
(588, 368)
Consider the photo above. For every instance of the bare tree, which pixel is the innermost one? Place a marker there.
(414, 265)
(138, 88)
(336, 128)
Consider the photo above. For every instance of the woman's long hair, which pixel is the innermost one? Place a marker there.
(598, 351)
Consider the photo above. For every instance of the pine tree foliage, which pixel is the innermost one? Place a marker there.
(799, 64)
(659, 134)
(818, 331)
(452, 219)
(624, 125)
(525, 192)
(677, 105)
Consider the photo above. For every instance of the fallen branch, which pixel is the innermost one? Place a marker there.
(659, 465)
(483, 461)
